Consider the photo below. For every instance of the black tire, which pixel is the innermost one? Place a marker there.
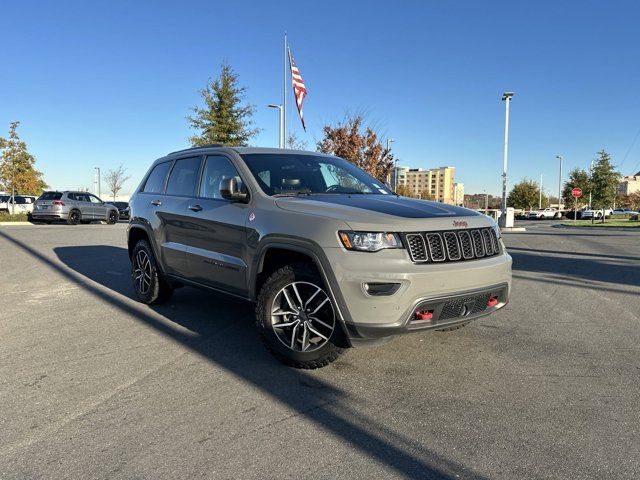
(112, 217)
(454, 327)
(154, 289)
(320, 357)
(74, 218)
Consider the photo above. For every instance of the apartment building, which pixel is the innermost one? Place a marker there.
(458, 194)
(629, 185)
(434, 182)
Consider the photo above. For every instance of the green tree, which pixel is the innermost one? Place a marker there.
(578, 178)
(524, 195)
(17, 166)
(223, 118)
(604, 181)
(359, 145)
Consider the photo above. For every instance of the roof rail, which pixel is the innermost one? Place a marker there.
(208, 145)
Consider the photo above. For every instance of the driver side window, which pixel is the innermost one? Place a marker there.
(217, 169)
(94, 199)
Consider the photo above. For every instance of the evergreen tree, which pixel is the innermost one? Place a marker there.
(604, 182)
(578, 178)
(17, 166)
(524, 195)
(224, 118)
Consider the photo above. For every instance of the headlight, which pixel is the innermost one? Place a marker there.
(369, 241)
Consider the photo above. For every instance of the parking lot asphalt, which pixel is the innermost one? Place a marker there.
(95, 385)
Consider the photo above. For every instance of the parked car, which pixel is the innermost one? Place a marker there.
(623, 211)
(123, 210)
(73, 207)
(17, 204)
(544, 213)
(596, 214)
(330, 256)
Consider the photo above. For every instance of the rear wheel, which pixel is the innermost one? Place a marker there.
(148, 283)
(112, 217)
(74, 218)
(297, 319)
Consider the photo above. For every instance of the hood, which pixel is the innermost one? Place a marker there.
(383, 212)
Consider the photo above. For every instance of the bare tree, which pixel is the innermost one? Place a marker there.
(296, 143)
(115, 180)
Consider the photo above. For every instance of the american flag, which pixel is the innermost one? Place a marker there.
(299, 90)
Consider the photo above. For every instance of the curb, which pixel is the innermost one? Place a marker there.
(14, 224)
(602, 229)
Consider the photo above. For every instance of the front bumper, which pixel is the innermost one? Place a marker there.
(432, 285)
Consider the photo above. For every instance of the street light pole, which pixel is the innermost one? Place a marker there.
(98, 182)
(506, 97)
(395, 165)
(559, 157)
(281, 139)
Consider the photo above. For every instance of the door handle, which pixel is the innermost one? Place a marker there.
(195, 208)
(156, 203)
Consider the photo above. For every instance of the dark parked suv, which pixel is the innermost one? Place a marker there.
(331, 257)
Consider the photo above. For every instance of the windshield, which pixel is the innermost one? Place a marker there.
(50, 196)
(300, 174)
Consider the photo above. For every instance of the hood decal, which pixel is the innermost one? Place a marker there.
(389, 205)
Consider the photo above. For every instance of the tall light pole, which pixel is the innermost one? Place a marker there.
(395, 165)
(506, 97)
(540, 201)
(98, 181)
(559, 157)
(281, 139)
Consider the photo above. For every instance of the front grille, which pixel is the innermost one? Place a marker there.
(452, 246)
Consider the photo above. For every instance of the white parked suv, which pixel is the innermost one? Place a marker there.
(543, 213)
(596, 214)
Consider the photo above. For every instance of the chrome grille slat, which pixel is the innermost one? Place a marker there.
(453, 246)
(436, 247)
(494, 240)
(478, 245)
(465, 243)
(488, 244)
(417, 248)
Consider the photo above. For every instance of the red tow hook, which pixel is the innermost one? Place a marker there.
(493, 301)
(423, 315)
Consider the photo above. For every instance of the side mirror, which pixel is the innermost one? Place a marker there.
(229, 190)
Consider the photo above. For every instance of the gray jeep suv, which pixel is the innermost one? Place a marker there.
(331, 257)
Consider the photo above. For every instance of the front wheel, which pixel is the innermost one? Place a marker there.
(148, 283)
(297, 319)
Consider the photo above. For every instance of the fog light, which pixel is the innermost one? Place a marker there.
(381, 289)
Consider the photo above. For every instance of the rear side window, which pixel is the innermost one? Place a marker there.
(155, 181)
(50, 196)
(184, 176)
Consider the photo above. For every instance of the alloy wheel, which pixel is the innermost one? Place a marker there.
(302, 316)
(142, 272)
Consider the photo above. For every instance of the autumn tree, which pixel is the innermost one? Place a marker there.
(404, 191)
(224, 118)
(524, 195)
(359, 145)
(115, 180)
(17, 166)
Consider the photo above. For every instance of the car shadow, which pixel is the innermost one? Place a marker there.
(220, 330)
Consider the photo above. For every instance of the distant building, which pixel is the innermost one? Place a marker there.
(458, 194)
(629, 185)
(436, 183)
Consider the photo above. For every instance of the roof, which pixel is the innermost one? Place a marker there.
(243, 150)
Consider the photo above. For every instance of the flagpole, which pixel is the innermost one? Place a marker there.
(284, 94)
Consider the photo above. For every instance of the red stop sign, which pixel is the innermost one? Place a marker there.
(576, 192)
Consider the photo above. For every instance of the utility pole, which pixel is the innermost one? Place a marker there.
(284, 93)
(506, 97)
(590, 188)
(540, 200)
(395, 166)
(559, 157)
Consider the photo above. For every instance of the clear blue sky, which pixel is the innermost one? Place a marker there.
(104, 83)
